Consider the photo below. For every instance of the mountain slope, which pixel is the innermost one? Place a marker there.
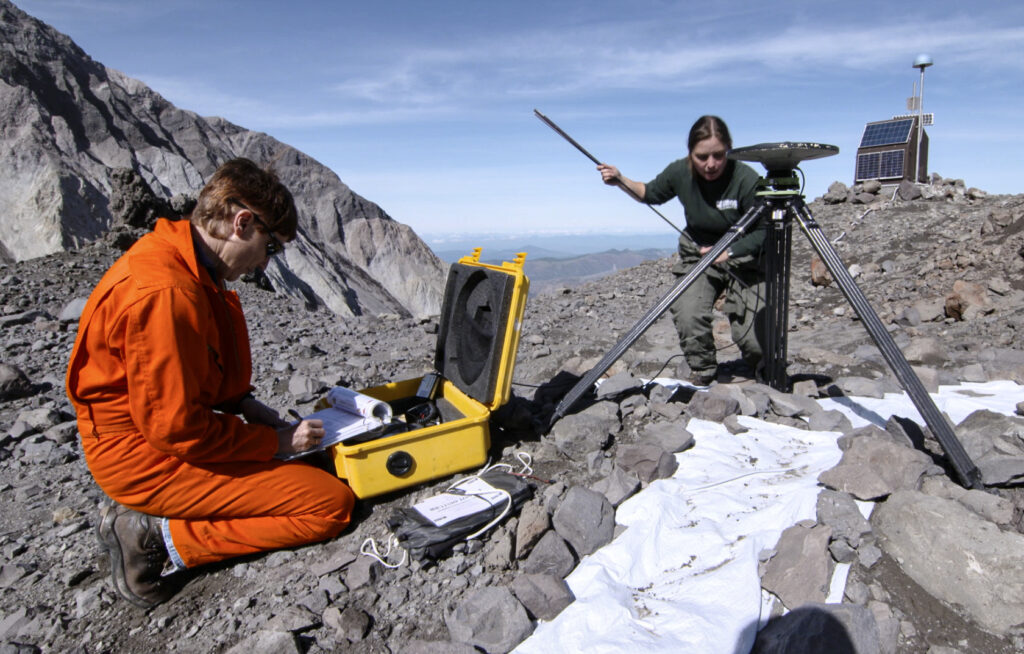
(67, 122)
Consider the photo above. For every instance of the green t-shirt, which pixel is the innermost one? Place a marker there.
(711, 207)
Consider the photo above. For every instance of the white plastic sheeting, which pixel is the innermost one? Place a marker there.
(682, 576)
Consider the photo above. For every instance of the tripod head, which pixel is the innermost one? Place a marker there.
(780, 159)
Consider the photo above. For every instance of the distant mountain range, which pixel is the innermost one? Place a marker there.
(559, 260)
(451, 247)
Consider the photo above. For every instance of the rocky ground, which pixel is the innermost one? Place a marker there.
(944, 272)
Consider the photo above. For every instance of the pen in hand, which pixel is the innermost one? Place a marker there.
(295, 414)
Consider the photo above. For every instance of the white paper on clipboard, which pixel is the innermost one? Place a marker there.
(351, 414)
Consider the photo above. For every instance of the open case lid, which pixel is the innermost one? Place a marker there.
(480, 325)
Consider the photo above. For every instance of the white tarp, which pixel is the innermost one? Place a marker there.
(682, 576)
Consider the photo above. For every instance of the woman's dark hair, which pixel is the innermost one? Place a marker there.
(707, 127)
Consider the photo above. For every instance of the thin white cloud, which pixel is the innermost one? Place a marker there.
(431, 82)
(547, 64)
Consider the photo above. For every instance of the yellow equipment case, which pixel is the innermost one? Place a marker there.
(477, 341)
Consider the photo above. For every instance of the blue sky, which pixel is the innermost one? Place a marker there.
(427, 108)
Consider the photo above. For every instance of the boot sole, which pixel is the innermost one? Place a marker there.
(108, 541)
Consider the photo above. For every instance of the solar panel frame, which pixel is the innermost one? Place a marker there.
(887, 132)
(890, 164)
(887, 164)
(867, 166)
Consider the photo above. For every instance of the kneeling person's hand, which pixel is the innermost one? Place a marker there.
(300, 437)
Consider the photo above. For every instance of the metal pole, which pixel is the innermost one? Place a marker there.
(920, 127)
(558, 130)
(922, 62)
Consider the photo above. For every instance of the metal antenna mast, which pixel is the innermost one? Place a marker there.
(921, 62)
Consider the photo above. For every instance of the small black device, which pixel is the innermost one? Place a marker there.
(428, 386)
(423, 414)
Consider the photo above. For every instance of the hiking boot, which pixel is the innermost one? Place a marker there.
(738, 371)
(137, 555)
(702, 377)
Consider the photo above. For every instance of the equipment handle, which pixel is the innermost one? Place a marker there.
(550, 123)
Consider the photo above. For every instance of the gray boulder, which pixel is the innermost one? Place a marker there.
(616, 385)
(72, 310)
(618, 486)
(267, 641)
(872, 468)
(647, 461)
(995, 444)
(551, 555)
(544, 596)
(585, 519)
(956, 556)
(533, 523)
(837, 192)
(578, 434)
(670, 436)
(908, 190)
(839, 511)
(714, 407)
(490, 618)
(14, 383)
(800, 570)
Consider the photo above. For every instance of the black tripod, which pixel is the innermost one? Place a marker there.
(780, 202)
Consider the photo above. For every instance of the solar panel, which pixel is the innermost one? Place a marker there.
(891, 164)
(879, 165)
(927, 119)
(867, 166)
(887, 132)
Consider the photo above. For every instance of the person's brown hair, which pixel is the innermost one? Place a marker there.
(240, 182)
(707, 127)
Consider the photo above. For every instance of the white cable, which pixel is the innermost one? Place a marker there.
(732, 479)
(506, 496)
(527, 461)
(524, 459)
(382, 558)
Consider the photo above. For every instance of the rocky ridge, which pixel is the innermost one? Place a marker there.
(73, 131)
(946, 275)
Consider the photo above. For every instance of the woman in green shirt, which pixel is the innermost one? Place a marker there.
(715, 193)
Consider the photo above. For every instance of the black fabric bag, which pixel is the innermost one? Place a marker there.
(425, 540)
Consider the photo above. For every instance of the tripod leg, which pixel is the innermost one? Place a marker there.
(777, 251)
(749, 218)
(965, 468)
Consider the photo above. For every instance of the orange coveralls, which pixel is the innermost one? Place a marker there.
(160, 349)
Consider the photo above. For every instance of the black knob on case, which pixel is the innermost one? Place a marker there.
(399, 463)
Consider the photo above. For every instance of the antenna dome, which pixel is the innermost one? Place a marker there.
(923, 61)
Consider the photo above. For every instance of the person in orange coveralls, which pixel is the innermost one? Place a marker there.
(160, 374)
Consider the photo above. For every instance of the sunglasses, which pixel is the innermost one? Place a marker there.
(274, 246)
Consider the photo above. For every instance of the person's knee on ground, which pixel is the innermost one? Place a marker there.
(339, 512)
